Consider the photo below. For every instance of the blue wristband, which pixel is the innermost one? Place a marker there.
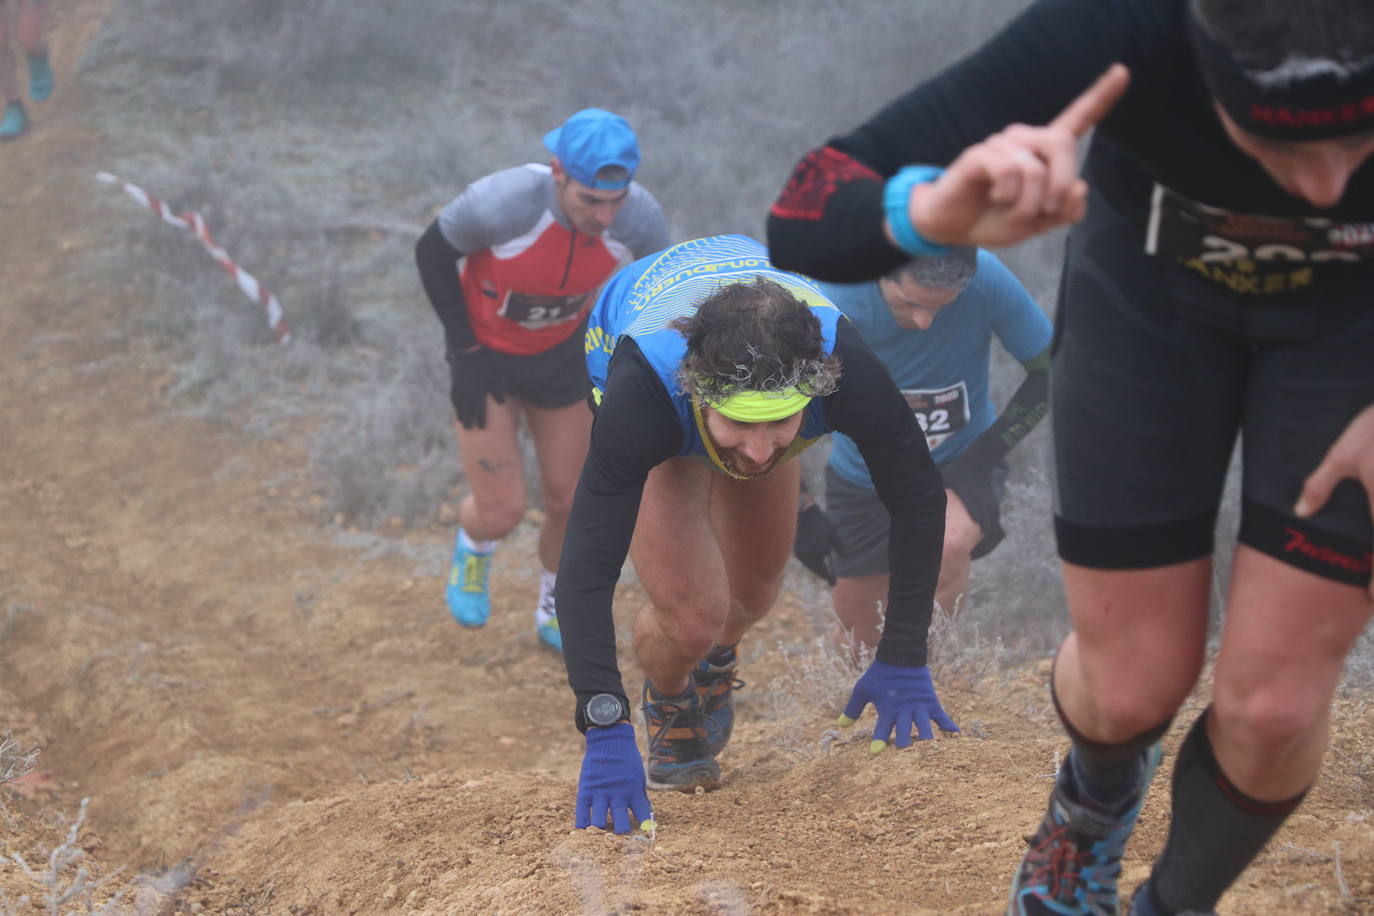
(897, 207)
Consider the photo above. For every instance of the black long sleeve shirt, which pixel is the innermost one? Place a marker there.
(636, 428)
(828, 221)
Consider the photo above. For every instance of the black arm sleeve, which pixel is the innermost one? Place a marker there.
(828, 220)
(1026, 408)
(635, 429)
(869, 409)
(438, 260)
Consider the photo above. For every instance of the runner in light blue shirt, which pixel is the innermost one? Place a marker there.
(931, 323)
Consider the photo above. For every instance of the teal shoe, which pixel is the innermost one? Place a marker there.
(549, 635)
(546, 623)
(40, 76)
(15, 121)
(468, 601)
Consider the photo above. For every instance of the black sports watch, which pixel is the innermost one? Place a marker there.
(605, 709)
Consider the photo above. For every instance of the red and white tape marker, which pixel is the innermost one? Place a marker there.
(194, 223)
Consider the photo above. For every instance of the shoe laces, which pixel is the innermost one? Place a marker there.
(1066, 862)
(708, 675)
(475, 566)
(670, 714)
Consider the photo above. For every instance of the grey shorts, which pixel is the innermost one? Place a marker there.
(860, 522)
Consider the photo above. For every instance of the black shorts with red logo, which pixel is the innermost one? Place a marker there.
(1156, 370)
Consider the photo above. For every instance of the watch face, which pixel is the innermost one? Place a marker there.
(604, 709)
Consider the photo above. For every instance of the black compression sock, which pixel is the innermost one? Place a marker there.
(721, 656)
(1216, 830)
(1106, 775)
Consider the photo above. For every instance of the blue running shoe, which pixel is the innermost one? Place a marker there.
(15, 121)
(678, 754)
(1074, 861)
(716, 686)
(468, 601)
(40, 76)
(546, 623)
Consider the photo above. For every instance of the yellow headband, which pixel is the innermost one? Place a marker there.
(761, 406)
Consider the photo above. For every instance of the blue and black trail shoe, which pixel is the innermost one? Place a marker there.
(1073, 863)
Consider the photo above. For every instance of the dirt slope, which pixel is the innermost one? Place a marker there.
(269, 722)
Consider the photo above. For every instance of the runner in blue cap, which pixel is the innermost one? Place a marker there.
(534, 243)
(596, 148)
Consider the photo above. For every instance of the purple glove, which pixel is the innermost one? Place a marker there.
(612, 781)
(903, 697)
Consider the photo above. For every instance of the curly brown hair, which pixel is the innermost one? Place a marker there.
(754, 336)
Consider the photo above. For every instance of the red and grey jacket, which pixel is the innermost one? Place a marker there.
(527, 275)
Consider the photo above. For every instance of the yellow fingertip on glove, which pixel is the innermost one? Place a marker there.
(845, 721)
(877, 747)
(648, 826)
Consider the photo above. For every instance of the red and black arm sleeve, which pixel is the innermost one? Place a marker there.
(828, 221)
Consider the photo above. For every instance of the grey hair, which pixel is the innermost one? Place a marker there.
(953, 270)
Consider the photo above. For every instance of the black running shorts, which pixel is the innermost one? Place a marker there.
(1157, 370)
(552, 379)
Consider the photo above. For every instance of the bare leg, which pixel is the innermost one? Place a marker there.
(1136, 649)
(30, 31)
(1283, 648)
(680, 564)
(710, 552)
(496, 480)
(755, 523)
(560, 440)
(962, 534)
(9, 70)
(859, 602)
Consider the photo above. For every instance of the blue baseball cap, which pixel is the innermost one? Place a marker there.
(592, 140)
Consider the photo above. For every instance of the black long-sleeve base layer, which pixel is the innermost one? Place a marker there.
(636, 428)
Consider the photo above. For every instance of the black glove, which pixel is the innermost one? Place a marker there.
(472, 378)
(812, 545)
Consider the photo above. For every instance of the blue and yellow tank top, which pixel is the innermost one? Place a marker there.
(645, 297)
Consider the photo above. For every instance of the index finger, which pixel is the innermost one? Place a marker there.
(1092, 106)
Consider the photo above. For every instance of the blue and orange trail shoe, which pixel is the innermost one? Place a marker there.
(15, 121)
(546, 623)
(715, 685)
(468, 601)
(1074, 861)
(679, 757)
(40, 76)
